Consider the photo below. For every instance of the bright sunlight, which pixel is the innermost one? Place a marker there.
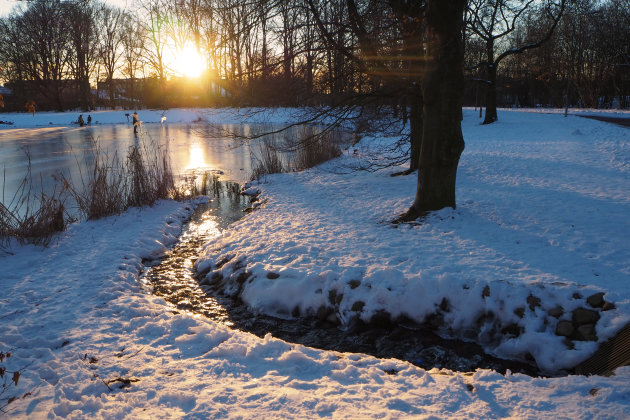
(187, 62)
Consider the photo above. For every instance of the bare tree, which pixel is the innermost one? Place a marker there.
(84, 46)
(429, 55)
(13, 56)
(613, 36)
(111, 23)
(133, 45)
(45, 41)
(493, 21)
(156, 31)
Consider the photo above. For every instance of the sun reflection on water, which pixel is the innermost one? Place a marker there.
(197, 157)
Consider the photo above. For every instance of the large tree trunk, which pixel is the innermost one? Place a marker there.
(443, 87)
(491, 95)
(415, 128)
(85, 94)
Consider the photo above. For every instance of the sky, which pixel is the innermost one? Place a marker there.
(188, 63)
(7, 5)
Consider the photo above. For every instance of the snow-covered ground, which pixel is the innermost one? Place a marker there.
(590, 112)
(56, 120)
(542, 223)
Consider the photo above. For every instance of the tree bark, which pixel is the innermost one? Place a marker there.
(415, 128)
(443, 86)
(491, 95)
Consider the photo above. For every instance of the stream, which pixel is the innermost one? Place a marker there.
(173, 278)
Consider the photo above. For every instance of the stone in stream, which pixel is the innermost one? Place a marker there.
(582, 316)
(596, 300)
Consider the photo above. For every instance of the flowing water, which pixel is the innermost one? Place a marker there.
(173, 278)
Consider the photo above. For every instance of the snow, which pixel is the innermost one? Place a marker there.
(56, 120)
(543, 205)
(590, 112)
(542, 212)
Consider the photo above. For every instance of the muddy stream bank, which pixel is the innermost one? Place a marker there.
(173, 278)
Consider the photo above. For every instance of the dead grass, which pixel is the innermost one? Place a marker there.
(110, 187)
(150, 176)
(268, 158)
(196, 184)
(295, 151)
(102, 192)
(315, 149)
(30, 215)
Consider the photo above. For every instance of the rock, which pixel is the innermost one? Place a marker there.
(332, 318)
(272, 276)
(485, 292)
(357, 306)
(243, 276)
(533, 302)
(596, 300)
(216, 278)
(586, 332)
(565, 329)
(582, 316)
(354, 284)
(520, 311)
(486, 317)
(223, 261)
(576, 295)
(434, 321)
(296, 312)
(569, 344)
(445, 305)
(323, 312)
(381, 319)
(513, 330)
(334, 298)
(607, 306)
(556, 312)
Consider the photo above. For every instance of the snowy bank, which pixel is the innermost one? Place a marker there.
(17, 120)
(541, 227)
(91, 343)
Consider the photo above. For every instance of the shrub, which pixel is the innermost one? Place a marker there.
(268, 160)
(110, 187)
(29, 216)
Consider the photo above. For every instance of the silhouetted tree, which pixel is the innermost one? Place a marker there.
(111, 21)
(493, 21)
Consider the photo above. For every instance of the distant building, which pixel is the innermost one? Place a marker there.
(47, 94)
(120, 92)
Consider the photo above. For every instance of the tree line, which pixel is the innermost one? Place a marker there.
(294, 52)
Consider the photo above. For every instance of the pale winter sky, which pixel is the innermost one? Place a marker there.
(7, 5)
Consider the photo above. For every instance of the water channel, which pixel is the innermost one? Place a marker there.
(52, 150)
(173, 278)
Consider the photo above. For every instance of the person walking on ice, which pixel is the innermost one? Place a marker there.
(136, 122)
(30, 107)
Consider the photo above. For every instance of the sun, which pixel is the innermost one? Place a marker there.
(188, 62)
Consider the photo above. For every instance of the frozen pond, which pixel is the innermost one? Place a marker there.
(53, 150)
